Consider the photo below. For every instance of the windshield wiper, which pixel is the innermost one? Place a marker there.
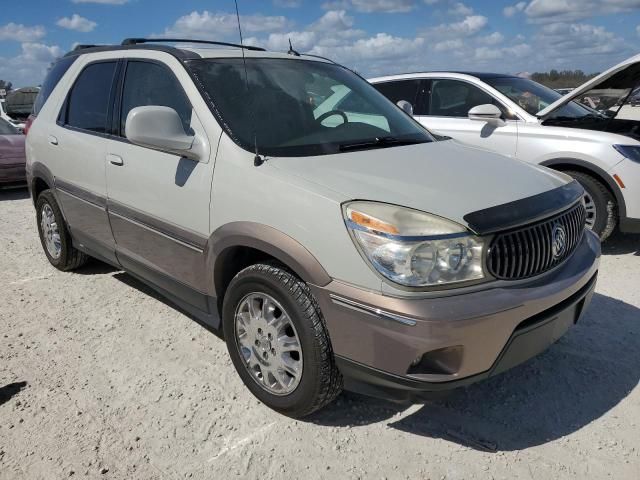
(378, 142)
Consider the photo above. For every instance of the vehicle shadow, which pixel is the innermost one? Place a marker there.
(580, 378)
(10, 390)
(14, 193)
(621, 243)
(133, 282)
(96, 267)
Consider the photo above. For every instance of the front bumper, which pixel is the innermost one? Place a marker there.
(399, 347)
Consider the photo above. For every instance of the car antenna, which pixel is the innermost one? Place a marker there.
(291, 50)
(257, 160)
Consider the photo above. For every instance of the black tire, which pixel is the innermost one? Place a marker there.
(320, 382)
(604, 201)
(70, 258)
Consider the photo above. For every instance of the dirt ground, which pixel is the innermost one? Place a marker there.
(100, 378)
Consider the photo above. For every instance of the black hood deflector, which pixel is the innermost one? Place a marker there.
(524, 211)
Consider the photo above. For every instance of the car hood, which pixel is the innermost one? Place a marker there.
(445, 178)
(11, 146)
(624, 75)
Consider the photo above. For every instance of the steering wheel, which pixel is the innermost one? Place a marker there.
(331, 113)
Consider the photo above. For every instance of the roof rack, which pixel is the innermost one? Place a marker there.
(137, 41)
(84, 46)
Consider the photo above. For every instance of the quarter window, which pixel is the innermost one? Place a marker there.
(53, 77)
(149, 83)
(453, 98)
(88, 102)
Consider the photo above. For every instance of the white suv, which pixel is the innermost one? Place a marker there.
(358, 253)
(592, 133)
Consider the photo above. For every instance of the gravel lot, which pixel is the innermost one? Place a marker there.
(116, 383)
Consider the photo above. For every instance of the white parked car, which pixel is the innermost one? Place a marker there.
(523, 119)
(328, 254)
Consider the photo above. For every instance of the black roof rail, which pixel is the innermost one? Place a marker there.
(137, 41)
(84, 46)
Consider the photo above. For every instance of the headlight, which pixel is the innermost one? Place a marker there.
(632, 152)
(414, 248)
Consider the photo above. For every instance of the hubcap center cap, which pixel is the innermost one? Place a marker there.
(264, 343)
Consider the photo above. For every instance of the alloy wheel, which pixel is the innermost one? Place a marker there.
(590, 207)
(50, 231)
(268, 343)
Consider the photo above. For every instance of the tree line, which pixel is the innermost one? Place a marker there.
(4, 85)
(563, 78)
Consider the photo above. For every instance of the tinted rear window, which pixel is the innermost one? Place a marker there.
(88, 102)
(53, 77)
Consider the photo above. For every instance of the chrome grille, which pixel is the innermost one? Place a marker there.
(536, 248)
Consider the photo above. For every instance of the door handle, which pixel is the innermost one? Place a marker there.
(52, 140)
(115, 160)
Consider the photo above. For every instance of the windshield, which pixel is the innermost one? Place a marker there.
(7, 129)
(301, 108)
(533, 97)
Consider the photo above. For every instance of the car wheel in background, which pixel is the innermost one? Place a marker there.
(278, 342)
(602, 211)
(54, 234)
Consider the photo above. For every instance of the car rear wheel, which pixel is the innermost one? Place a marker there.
(602, 212)
(54, 235)
(278, 342)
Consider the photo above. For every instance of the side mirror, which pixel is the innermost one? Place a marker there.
(487, 113)
(406, 106)
(160, 128)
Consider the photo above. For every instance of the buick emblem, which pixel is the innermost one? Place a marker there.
(558, 241)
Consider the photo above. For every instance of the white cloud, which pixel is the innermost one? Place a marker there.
(30, 66)
(333, 20)
(287, 3)
(209, 25)
(333, 29)
(467, 27)
(571, 10)
(460, 9)
(21, 33)
(448, 45)
(511, 10)
(492, 53)
(370, 6)
(578, 39)
(77, 23)
(104, 2)
(377, 54)
(492, 39)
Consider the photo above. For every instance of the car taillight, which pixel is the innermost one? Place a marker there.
(28, 123)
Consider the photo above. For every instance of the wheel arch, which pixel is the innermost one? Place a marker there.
(564, 164)
(39, 180)
(237, 245)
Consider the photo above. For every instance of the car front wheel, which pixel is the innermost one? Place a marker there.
(278, 342)
(602, 212)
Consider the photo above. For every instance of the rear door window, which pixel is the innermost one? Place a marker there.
(87, 105)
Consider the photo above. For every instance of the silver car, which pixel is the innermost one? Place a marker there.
(329, 252)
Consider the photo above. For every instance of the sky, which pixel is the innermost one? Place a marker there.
(374, 37)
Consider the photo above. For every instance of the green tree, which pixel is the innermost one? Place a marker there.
(562, 79)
